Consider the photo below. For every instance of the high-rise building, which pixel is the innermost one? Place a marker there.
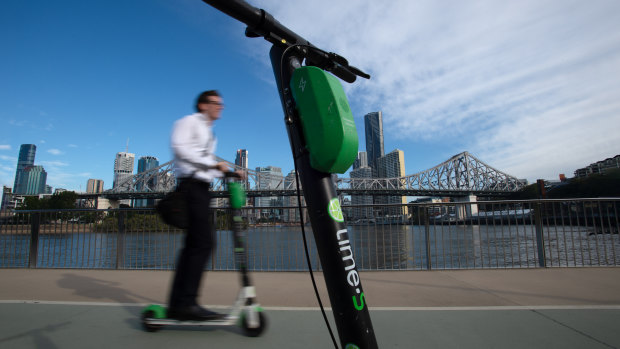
(392, 165)
(361, 212)
(123, 168)
(599, 167)
(373, 126)
(269, 177)
(241, 159)
(27, 153)
(361, 160)
(9, 201)
(146, 163)
(94, 186)
(7, 196)
(292, 214)
(33, 180)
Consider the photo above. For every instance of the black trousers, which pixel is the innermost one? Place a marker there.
(199, 243)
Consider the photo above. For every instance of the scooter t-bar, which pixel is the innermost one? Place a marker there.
(313, 102)
(262, 24)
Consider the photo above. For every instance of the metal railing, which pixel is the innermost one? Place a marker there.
(421, 236)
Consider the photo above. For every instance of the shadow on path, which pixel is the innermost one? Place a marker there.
(105, 290)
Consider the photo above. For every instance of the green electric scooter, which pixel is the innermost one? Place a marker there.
(246, 312)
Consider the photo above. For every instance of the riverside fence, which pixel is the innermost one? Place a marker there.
(421, 236)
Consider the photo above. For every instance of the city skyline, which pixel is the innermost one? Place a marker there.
(528, 87)
(148, 162)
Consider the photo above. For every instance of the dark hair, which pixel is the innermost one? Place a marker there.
(204, 97)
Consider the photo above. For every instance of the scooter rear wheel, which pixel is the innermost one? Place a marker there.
(149, 314)
(254, 331)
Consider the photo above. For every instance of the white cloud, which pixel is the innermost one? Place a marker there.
(7, 158)
(72, 146)
(55, 151)
(5, 147)
(529, 87)
(54, 163)
(14, 122)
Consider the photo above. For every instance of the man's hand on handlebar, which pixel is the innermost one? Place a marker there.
(225, 169)
(222, 167)
(239, 174)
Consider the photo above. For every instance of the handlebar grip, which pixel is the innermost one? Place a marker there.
(343, 73)
(231, 175)
(358, 72)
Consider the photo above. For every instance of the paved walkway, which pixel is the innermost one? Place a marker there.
(530, 308)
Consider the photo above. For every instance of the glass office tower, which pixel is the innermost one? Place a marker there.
(26, 158)
(373, 126)
(33, 180)
(145, 164)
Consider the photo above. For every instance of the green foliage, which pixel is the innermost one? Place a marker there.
(593, 186)
(134, 222)
(32, 203)
(64, 200)
(60, 201)
(107, 225)
(143, 223)
(527, 193)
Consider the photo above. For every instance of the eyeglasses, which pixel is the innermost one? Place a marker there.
(220, 104)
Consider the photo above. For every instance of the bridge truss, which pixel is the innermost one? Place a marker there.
(462, 174)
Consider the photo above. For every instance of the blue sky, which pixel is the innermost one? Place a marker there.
(529, 87)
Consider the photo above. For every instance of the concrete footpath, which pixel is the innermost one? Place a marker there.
(521, 308)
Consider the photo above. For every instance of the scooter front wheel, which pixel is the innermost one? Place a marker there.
(254, 331)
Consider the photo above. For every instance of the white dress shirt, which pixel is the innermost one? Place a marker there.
(193, 145)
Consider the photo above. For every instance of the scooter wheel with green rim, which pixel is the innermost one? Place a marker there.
(149, 314)
(255, 331)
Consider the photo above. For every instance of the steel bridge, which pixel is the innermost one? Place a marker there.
(461, 175)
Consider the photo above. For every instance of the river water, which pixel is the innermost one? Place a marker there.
(375, 247)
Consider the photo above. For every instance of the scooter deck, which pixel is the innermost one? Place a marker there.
(252, 325)
(224, 321)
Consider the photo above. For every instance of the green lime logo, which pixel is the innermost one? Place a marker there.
(334, 210)
(351, 346)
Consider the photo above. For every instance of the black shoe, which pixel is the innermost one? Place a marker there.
(193, 313)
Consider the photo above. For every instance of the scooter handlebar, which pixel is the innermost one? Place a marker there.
(343, 73)
(259, 21)
(262, 23)
(232, 175)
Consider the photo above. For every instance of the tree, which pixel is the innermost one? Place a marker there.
(64, 200)
(59, 201)
(593, 186)
(32, 203)
(527, 193)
